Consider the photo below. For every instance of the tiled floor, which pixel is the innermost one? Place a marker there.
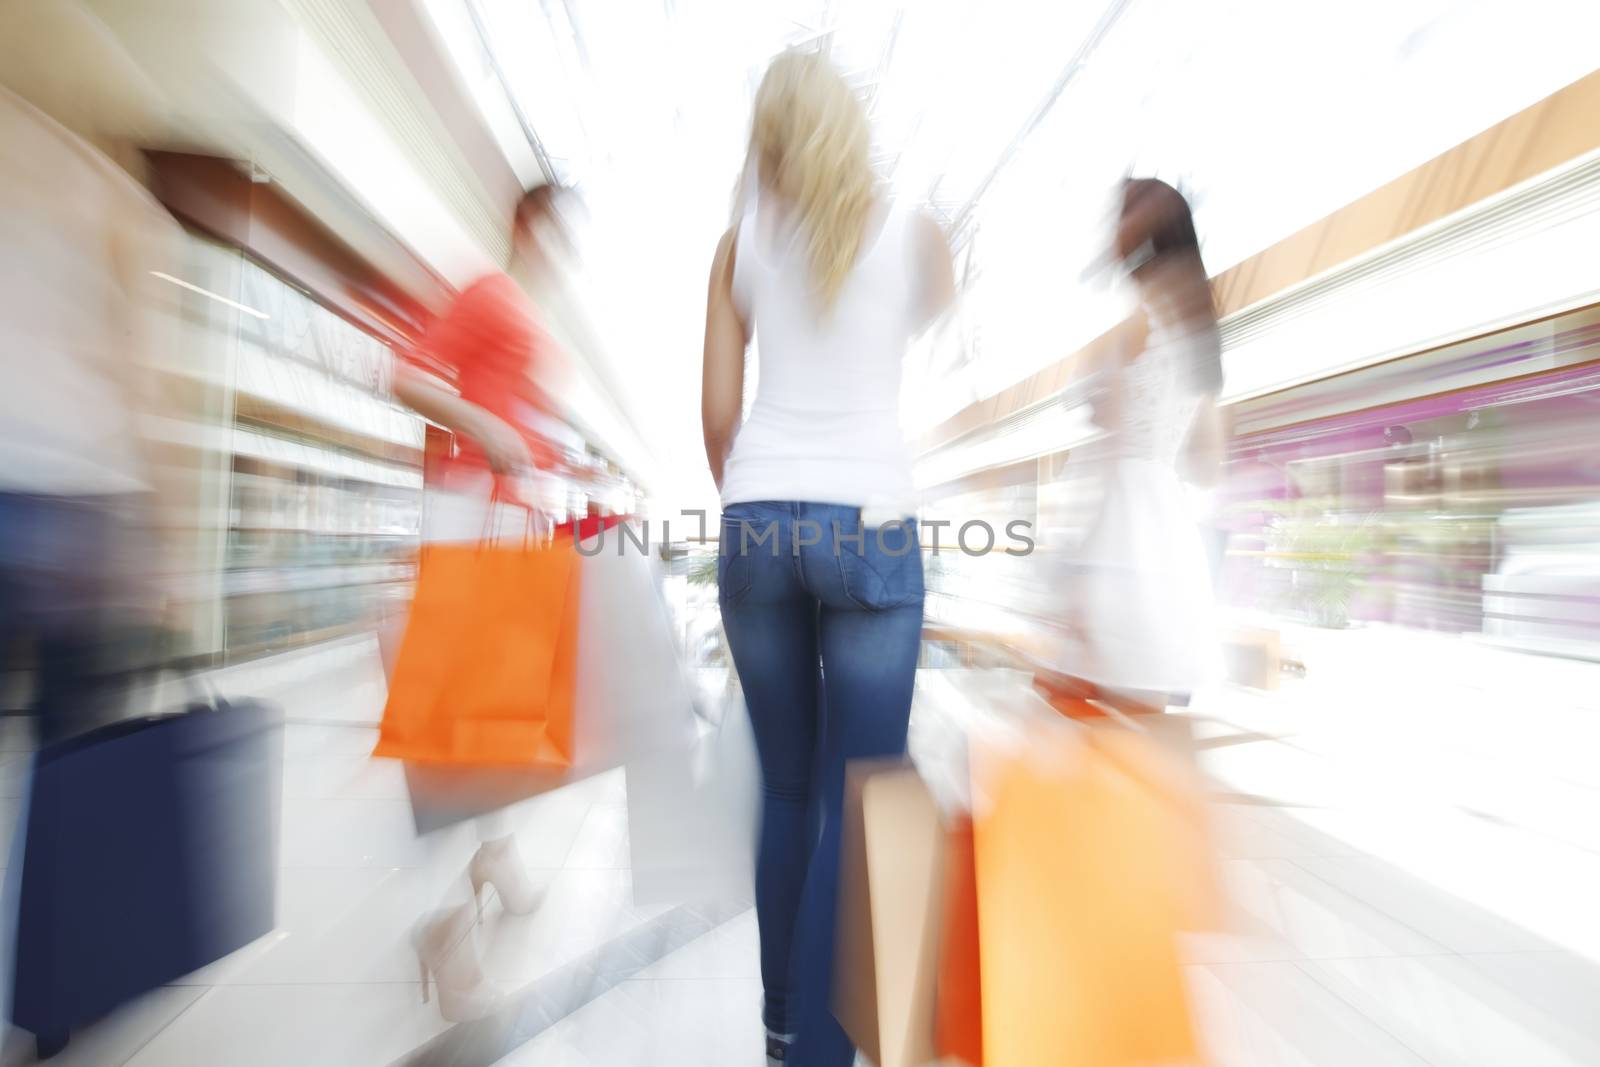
(1405, 890)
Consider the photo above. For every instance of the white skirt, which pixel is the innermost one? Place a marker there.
(1138, 593)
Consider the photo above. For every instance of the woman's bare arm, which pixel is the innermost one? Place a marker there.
(722, 380)
(505, 448)
(938, 270)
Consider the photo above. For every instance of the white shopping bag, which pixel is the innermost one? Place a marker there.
(633, 697)
(692, 816)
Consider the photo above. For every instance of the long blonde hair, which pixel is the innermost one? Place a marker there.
(810, 144)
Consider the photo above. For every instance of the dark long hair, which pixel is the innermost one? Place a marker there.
(1155, 227)
(539, 201)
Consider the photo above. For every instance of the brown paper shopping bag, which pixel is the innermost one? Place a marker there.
(890, 917)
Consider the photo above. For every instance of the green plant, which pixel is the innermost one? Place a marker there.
(703, 571)
(1326, 553)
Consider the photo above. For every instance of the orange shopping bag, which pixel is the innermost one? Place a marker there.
(1079, 869)
(486, 670)
(1170, 782)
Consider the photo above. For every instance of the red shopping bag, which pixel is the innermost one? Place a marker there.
(958, 1022)
(485, 674)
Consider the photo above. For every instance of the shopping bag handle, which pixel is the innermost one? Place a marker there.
(498, 496)
(203, 694)
(199, 691)
(200, 694)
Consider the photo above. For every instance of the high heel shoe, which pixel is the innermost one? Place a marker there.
(497, 863)
(448, 960)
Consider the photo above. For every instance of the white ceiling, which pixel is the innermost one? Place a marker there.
(1269, 114)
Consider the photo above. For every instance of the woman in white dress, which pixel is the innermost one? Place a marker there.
(1139, 610)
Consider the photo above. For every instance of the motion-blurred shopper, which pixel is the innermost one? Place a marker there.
(1139, 604)
(79, 238)
(824, 612)
(83, 507)
(474, 376)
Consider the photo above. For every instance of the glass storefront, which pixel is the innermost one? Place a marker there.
(1459, 505)
(314, 492)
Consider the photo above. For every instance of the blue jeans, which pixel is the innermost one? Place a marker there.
(824, 620)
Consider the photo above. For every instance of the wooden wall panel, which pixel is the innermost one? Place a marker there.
(1559, 128)
(218, 197)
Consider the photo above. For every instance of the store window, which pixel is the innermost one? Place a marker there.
(316, 508)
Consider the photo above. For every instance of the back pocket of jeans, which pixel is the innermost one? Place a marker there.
(885, 571)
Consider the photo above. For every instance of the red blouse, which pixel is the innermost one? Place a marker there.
(488, 344)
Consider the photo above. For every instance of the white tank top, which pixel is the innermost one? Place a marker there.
(825, 425)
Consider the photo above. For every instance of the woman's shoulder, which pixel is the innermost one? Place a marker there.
(913, 214)
(922, 227)
(913, 225)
